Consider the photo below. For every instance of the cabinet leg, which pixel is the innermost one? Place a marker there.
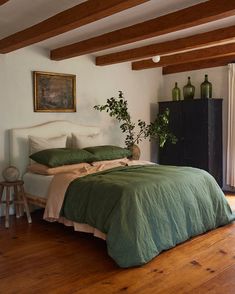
(25, 204)
(7, 207)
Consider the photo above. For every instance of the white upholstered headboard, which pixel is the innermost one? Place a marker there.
(19, 149)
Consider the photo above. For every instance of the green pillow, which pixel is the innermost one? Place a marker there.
(62, 156)
(108, 152)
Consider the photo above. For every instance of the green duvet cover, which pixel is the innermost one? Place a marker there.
(147, 209)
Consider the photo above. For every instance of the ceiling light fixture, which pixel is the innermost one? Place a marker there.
(156, 58)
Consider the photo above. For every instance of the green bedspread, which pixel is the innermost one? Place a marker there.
(147, 209)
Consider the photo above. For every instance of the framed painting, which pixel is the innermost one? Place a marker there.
(54, 92)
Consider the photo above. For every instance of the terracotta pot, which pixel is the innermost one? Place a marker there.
(135, 150)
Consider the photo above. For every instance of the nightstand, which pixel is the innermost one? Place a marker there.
(19, 199)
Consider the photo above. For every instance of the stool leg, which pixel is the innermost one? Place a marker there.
(17, 208)
(25, 204)
(7, 207)
(19, 201)
(1, 194)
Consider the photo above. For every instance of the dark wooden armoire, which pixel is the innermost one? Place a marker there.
(197, 125)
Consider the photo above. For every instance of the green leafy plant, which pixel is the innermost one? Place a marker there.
(118, 108)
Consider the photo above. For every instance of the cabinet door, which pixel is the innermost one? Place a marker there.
(170, 154)
(195, 134)
(215, 161)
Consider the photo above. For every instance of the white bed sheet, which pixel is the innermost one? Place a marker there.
(37, 185)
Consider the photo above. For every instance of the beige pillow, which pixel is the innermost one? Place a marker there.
(37, 168)
(37, 143)
(83, 141)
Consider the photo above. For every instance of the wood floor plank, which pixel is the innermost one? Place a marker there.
(231, 200)
(172, 272)
(46, 257)
(225, 283)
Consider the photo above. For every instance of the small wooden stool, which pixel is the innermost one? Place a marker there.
(19, 199)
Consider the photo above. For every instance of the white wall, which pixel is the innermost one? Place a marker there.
(218, 76)
(94, 86)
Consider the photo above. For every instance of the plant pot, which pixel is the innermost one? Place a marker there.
(135, 150)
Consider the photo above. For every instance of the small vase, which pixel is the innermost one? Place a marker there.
(206, 89)
(189, 90)
(176, 95)
(135, 150)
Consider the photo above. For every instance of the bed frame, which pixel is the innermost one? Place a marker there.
(36, 200)
(19, 149)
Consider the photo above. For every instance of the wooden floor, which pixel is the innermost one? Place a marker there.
(49, 258)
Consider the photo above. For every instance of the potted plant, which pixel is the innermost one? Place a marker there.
(118, 108)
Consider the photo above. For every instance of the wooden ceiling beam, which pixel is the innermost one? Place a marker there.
(186, 43)
(192, 16)
(3, 2)
(213, 62)
(186, 57)
(77, 16)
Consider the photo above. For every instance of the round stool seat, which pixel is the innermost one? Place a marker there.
(9, 184)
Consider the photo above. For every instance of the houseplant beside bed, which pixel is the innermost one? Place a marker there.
(158, 129)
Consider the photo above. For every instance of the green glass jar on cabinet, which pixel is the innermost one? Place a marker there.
(206, 89)
(176, 95)
(189, 90)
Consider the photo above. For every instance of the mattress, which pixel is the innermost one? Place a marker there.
(37, 185)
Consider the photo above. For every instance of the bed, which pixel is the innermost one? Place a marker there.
(139, 208)
(19, 147)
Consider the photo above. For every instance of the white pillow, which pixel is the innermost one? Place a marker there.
(37, 143)
(83, 141)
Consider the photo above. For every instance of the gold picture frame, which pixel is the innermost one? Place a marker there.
(54, 92)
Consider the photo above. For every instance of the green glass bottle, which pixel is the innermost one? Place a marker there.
(189, 90)
(176, 95)
(206, 89)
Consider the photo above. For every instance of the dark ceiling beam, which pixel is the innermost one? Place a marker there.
(186, 43)
(3, 2)
(70, 19)
(186, 57)
(213, 62)
(192, 16)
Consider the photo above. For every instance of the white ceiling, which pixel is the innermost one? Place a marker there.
(17, 15)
